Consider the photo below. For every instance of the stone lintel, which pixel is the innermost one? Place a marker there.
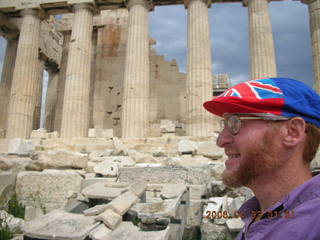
(66, 25)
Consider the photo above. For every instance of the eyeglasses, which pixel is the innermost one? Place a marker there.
(233, 122)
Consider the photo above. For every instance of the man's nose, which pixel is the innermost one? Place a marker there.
(224, 138)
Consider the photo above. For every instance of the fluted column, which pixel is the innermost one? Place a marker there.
(262, 53)
(51, 98)
(38, 95)
(6, 79)
(135, 112)
(99, 84)
(199, 70)
(77, 86)
(61, 82)
(314, 15)
(23, 89)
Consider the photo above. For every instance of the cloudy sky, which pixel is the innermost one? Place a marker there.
(229, 38)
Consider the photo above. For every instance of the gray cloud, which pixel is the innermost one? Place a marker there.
(229, 38)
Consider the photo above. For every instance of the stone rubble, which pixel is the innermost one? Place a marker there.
(152, 199)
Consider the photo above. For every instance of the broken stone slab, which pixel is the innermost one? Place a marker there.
(96, 210)
(39, 133)
(152, 165)
(110, 218)
(47, 189)
(122, 203)
(119, 147)
(100, 232)
(139, 157)
(170, 190)
(90, 181)
(138, 188)
(75, 206)
(117, 185)
(64, 159)
(100, 191)
(98, 155)
(21, 147)
(59, 224)
(126, 230)
(165, 174)
(210, 149)
(187, 147)
(107, 168)
(150, 212)
(235, 224)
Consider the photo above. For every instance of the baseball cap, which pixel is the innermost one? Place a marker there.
(279, 96)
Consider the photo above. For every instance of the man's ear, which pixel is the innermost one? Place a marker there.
(294, 131)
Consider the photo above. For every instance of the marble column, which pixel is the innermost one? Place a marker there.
(314, 15)
(135, 105)
(75, 110)
(262, 53)
(51, 98)
(23, 89)
(99, 103)
(6, 79)
(61, 83)
(38, 95)
(199, 70)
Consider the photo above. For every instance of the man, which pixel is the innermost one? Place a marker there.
(270, 134)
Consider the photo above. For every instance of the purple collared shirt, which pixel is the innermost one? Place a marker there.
(295, 217)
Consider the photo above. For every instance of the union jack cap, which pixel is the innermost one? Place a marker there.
(279, 96)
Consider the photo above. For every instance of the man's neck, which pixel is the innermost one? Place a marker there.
(271, 188)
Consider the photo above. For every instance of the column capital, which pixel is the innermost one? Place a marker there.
(87, 6)
(187, 2)
(246, 2)
(35, 12)
(145, 3)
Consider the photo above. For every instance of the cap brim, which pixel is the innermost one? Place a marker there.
(219, 106)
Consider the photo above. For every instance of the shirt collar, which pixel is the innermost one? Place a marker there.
(304, 192)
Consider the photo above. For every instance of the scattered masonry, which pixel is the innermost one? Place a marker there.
(102, 188)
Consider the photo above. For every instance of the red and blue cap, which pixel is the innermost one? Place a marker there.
(278, 96)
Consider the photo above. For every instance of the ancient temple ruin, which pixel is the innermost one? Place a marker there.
(127, 151)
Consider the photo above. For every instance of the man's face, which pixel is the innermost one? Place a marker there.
(253, 152)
